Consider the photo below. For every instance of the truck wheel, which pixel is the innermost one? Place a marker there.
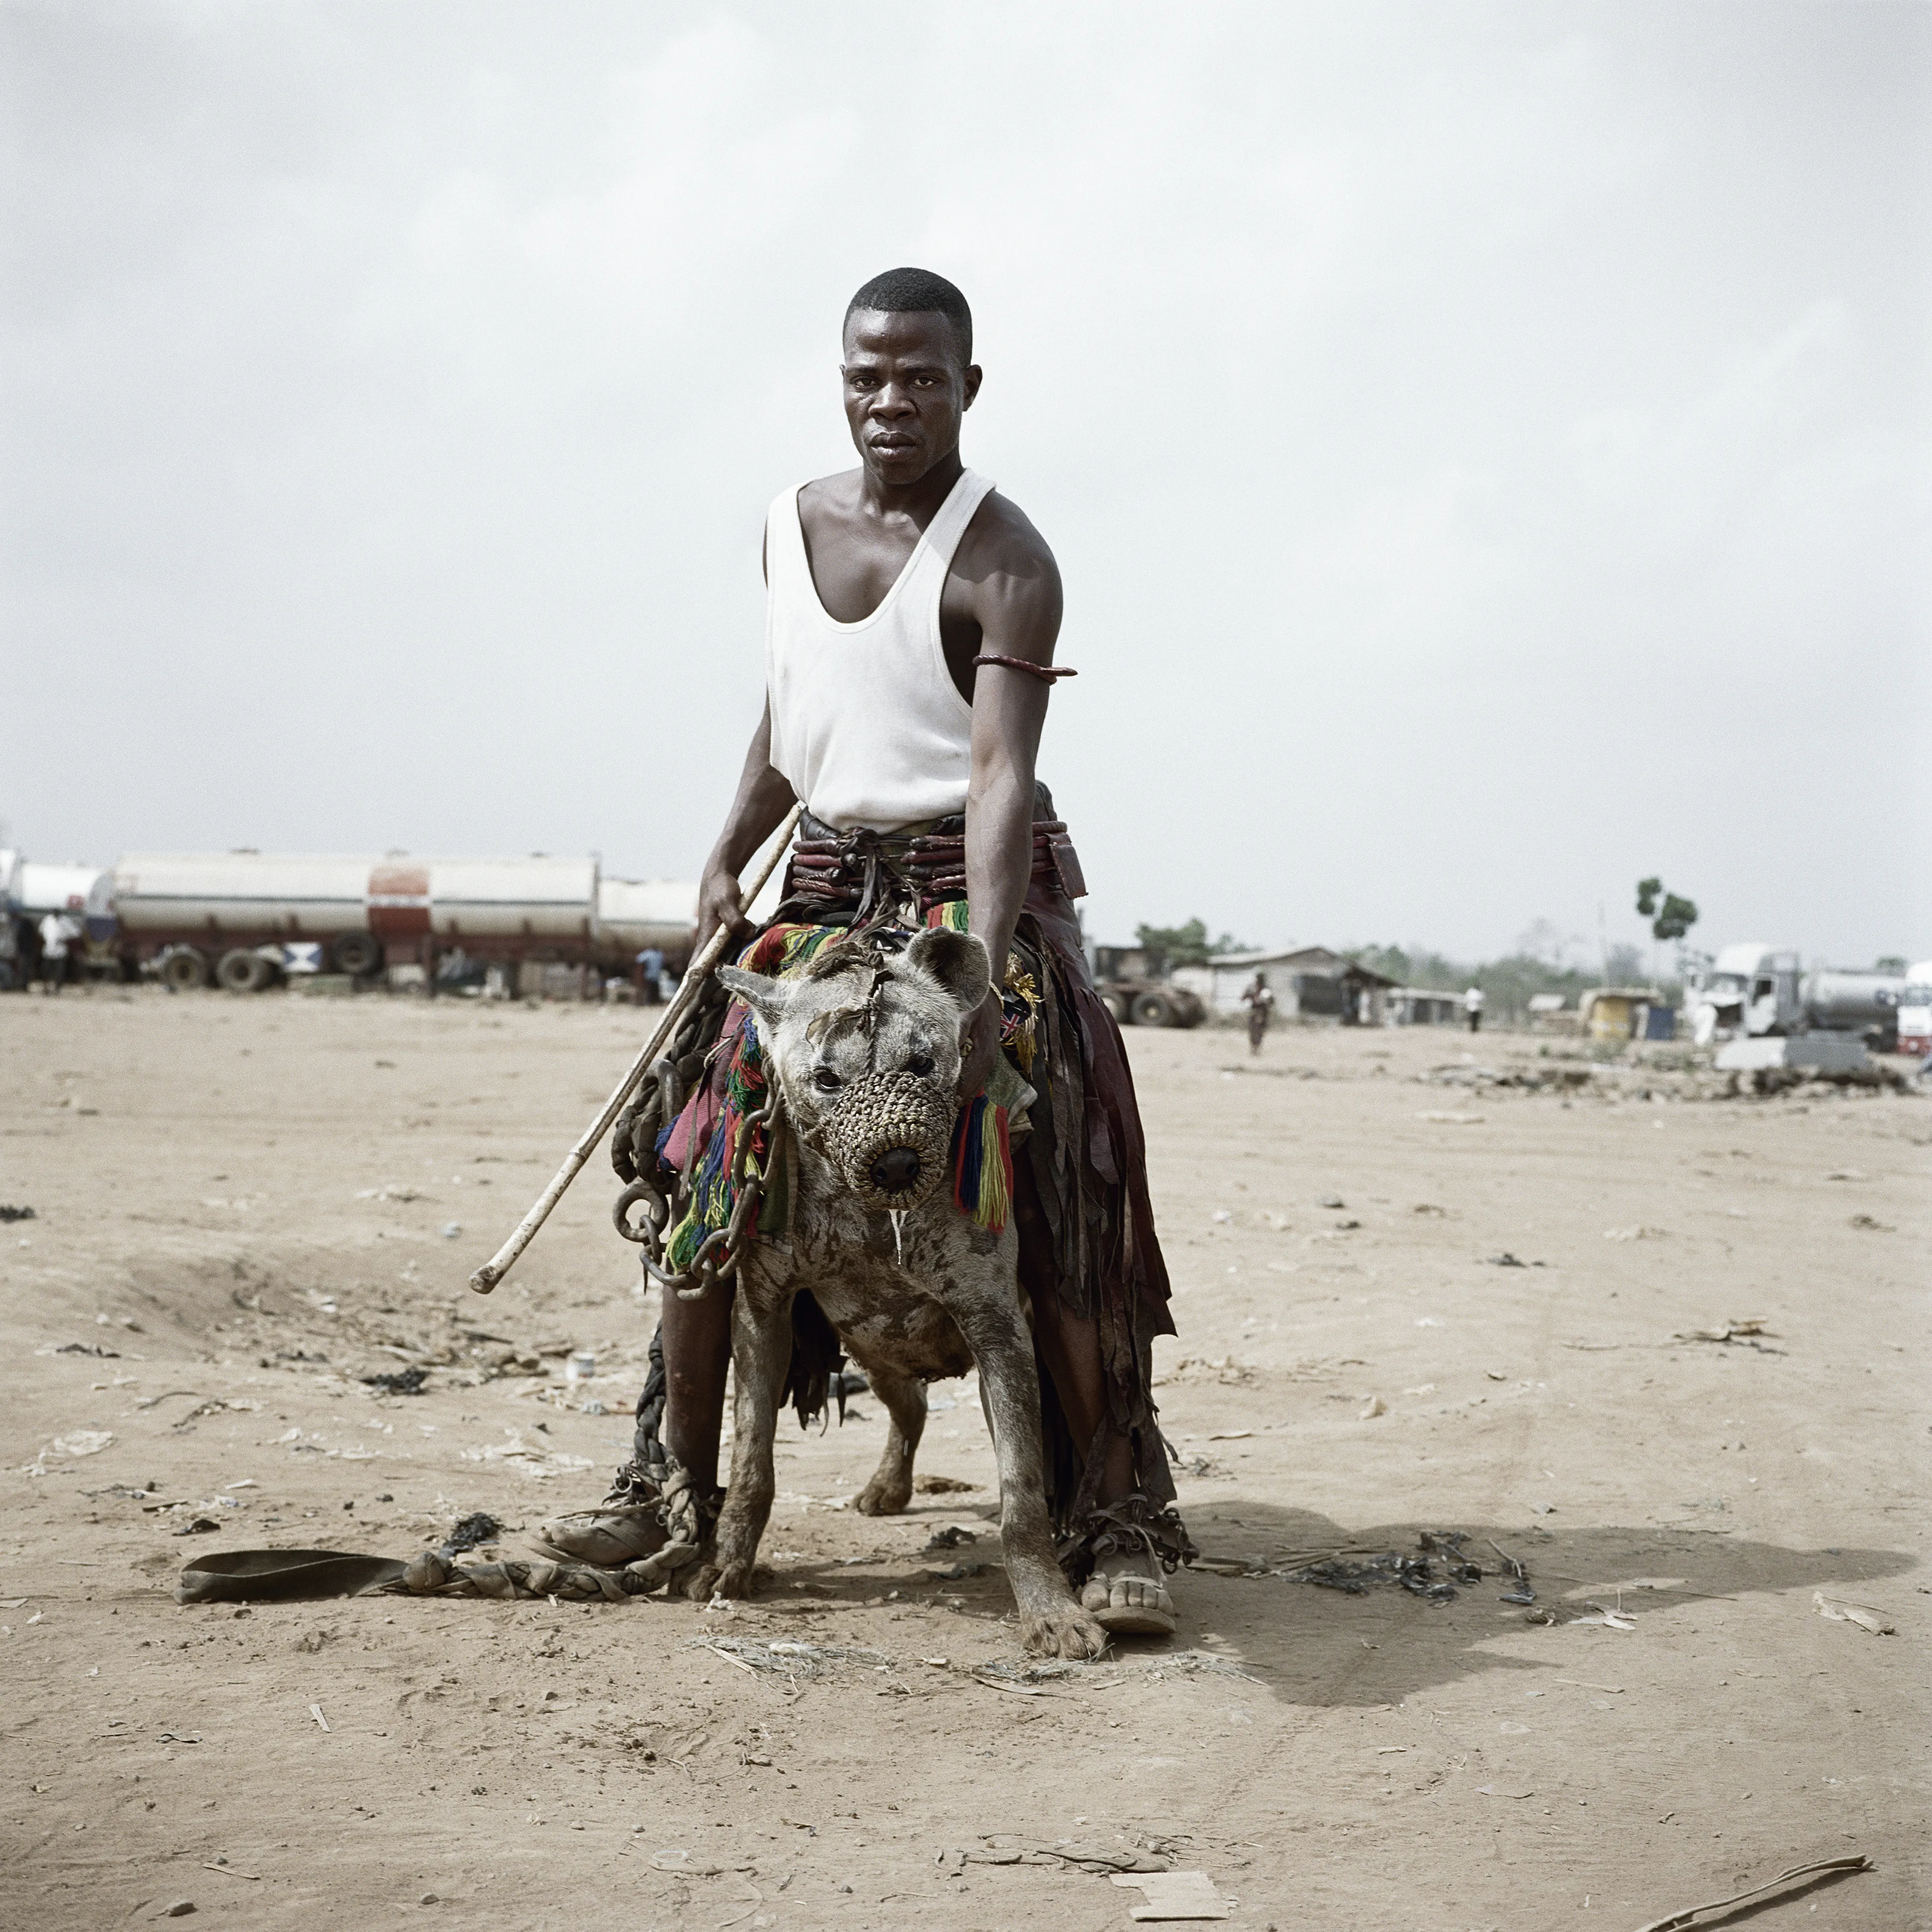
(244, 972)
(1121, 1009)
(183, 971)
(356, 953)
(1153, 1010)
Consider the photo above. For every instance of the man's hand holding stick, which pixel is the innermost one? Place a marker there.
(494, 1271)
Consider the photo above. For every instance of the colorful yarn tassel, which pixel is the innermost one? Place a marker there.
(982, 1165)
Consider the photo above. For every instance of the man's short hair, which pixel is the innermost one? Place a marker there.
(917, 291)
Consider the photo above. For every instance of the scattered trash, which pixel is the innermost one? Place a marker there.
(1863, 1614)
(199, 1525)
(954, 1572)
(1452, 1119)
(1609, 1619)
(451, 1229)
(471, 1532)
(1826, 1868)
(1877, 1227)
(792, 1659)
(581, 1367)
(1375, 1406)
(315, 1711)
(1221, 1214)
(70, 1447)
(1635, 1234)
(1232, 1435)
(1506, 1259)
(180, 1908)
(387, 1193)
(1429, 1208)
(943, 1485)
(1331, 1201)
(229, 1871)
(88, 1349)
(1418, 1575)
(1174, 1895)
(1745, 1331)
(1520, 1592)
(534, 1459)
(1847, 1174)
(952, 1537)
(9, 1214)
(402, 1382)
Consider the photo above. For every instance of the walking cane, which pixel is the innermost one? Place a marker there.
(494, 1271)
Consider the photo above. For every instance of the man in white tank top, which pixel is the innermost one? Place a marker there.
(913, 613)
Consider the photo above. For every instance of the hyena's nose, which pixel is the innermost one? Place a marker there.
(896, 1171)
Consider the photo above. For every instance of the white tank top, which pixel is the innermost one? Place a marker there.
(867, 724)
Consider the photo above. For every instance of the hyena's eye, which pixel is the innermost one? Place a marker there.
(920, 1063)
(826, 1081)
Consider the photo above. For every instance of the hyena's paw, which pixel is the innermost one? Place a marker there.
(1064, 1631)
(731, 1580)
(885, 1495)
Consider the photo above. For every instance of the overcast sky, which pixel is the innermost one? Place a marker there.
(1484, 444)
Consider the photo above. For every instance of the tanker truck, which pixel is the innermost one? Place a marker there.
(245, 920)
(1756, 992)
(83, 895)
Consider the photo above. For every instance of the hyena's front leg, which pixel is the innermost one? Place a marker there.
(1051, 1621)
(904, 1395)
(760, 1351)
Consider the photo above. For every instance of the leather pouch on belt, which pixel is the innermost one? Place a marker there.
(1066, 864)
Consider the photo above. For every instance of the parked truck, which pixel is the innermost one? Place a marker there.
(1759, 992)
(245, 920)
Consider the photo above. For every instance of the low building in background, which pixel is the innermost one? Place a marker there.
(1309, 982)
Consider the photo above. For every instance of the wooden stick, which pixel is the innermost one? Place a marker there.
(699, 972)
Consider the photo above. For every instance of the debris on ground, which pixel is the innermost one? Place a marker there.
(402, 1382)
(1839, 1612)
(9, 1214)
(535, 1459)
(952, 1537)
(1432, 1575)
(471, 1532)
(943, 1486)
(1826, 1868)
(1745, 1331)
(792, 1659)
(1175, 1894)
(1506, 1259)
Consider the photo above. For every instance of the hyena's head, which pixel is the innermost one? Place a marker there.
(866, 1046)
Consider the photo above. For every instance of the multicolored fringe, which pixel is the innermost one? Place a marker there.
(982, 1165)
(982, 1153)
(714, 1118)
(714, 1188)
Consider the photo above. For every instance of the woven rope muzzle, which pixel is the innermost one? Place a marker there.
(879, 1113)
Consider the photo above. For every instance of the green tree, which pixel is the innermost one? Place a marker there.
(1670, 916)
(1167, 946)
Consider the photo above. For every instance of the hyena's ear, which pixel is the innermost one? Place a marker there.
(957, 960)
(767, 998)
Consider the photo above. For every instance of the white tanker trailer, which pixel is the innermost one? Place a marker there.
(244, 920)
(1757, 992)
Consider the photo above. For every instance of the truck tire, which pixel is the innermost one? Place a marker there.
(242, 971)
(183, 971)
(356, 953)
(1153, 1010)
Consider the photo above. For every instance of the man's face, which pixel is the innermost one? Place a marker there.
(907, 387)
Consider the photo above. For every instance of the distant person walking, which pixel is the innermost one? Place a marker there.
(56, 930)
(1472, 1005)
(1259, 1001)
(650, 972)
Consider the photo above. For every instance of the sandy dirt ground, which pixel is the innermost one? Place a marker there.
(242, 1207)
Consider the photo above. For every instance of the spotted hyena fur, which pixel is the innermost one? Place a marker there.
(932, 1299)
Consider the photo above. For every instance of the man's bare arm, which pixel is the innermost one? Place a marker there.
(763, 798)
(1017, 604)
